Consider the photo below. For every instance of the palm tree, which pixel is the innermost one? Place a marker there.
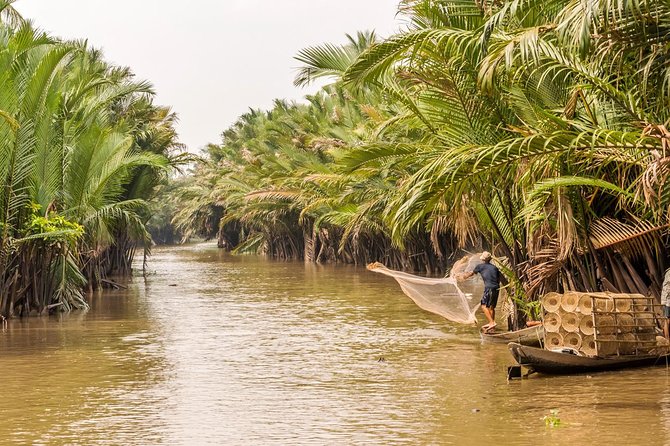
(538, 129)
(553, 177)
(67, 161)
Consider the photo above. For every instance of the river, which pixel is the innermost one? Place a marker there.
(209, 348)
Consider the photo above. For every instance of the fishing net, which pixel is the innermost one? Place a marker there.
(440, 296)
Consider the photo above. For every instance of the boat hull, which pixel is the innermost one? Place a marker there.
(557, 363)
(525, 336)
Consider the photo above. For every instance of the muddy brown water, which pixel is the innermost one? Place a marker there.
(214, 349)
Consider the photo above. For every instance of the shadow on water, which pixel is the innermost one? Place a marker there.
(214, 349)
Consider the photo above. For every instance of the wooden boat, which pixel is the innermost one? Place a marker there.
(525, 336)
(556, 363)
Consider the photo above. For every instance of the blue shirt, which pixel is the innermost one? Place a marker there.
(489, 273)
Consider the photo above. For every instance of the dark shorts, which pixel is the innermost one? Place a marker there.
(490, 297)
(666, 311)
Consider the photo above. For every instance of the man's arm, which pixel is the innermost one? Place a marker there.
(467, 275)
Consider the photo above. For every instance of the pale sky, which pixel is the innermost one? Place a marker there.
(211, 60)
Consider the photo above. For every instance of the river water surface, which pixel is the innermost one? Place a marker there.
(208, 348)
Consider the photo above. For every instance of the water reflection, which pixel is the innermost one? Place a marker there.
(213, 349)
(78, 378)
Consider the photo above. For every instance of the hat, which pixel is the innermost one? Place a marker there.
(485, 256)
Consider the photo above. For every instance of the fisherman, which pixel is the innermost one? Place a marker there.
(665, 301)
(491, 276)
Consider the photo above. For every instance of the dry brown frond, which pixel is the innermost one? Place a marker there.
(542, 270)
(655, 180)
(635, 238)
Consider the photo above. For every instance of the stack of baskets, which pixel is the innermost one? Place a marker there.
(599, 324)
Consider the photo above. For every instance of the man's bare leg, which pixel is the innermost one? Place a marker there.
(487, 313)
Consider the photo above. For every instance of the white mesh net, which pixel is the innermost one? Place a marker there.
(439, 296)
(465, 265)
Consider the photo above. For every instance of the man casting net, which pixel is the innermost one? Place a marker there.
(440, 296)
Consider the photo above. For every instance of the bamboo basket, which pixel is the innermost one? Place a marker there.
(588, 347)
(642, 305)
(586, 326)
(599, 324)
(622, 305)
(569, 302)
(627, 344)
(572, 340)
(553, 340)
(570, 322)
(603, 303)
(552, 322)
(551, 302)
(604, 325)
(624, 325)
(625, 322)
(606, 345)
(585, 305)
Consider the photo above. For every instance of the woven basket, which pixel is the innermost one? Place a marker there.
(645, 320)
(586, 327)
(604, 303)
(551, 302)
(623, 304)
(607, 345)
(573, 340)
(640, 305)
(553, 340)
(569, 302)
(605, 325)
(585, 305)
(588, 347)
(625, 322)
(570, 322)
(552, 322)
(629, 344)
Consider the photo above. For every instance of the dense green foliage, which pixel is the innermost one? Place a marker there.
(535, 128)
(81, 147)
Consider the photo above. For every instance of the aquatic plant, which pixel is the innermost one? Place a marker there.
(552, 420)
